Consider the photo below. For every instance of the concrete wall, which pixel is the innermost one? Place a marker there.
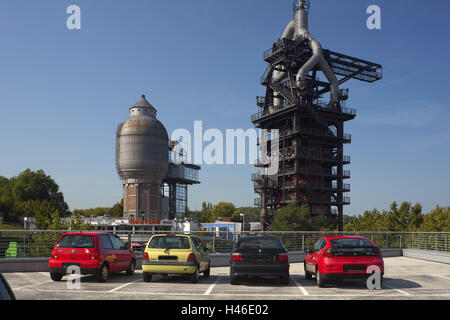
(437, 256)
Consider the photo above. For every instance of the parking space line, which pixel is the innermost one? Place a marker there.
(303, 290)
(398, 290)
(208, 291)
(28, 277)
(31, 285)
(444, 277)
(123, 286)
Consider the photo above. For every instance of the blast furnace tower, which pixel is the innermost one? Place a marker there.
(310, 132)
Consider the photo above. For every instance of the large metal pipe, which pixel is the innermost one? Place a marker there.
(288, 33)
(301, 30)
(298, 27)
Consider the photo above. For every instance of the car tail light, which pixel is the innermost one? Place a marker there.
(191, 257)
(236, 257)
(94, 254)
(146, 257)
(327, 253)
(283, 257)
(54, 254)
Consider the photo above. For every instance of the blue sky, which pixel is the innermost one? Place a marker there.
(63, 92)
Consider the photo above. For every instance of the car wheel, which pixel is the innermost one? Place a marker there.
(207, 272)
(284, 280)
(308, 275)
(147, 276)
(233, 280)
(131, 268)
(319, 279)
(103, 273)
(56, 276)
(194, 276)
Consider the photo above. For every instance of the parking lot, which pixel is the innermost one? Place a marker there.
(405, 278)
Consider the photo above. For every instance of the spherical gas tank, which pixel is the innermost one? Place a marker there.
(142, 145)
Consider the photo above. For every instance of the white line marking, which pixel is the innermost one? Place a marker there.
(31, 285)
(28, 277)
(437, 275)
(207, 292)
(244, 295)
(123, 286)
(398, 290)
(303, 290)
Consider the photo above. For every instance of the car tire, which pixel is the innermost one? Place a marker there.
(319, 279)
(207, 272)
(194, 276)
(147, 277)
(103, 273)
(233, 280)
(130, 270)
(284, 280)
(308, 275)
(56, 276)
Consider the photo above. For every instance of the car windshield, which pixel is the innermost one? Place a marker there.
(351, 243)
(76, 241)
(259, 243)
(172, 242)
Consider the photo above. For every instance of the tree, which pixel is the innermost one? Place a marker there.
(297, 218)
(37, 186)
(7, 201)
(43, 212)
(438, 220)
(117, 209)
(206, 213)
(222, 209)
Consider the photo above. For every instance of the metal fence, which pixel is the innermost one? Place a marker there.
(21, 243)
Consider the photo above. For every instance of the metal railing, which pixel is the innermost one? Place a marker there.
(20, 243)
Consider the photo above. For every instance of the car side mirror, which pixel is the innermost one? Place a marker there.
(308, 251)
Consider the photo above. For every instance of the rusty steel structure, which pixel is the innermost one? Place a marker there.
(310, 132)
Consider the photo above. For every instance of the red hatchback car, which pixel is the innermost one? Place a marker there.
(98, 253)
(342, 257)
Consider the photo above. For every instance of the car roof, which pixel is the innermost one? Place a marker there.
(89, 233)
(173, 234)
(344, 237)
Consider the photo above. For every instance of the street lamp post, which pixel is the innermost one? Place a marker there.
(243, 221)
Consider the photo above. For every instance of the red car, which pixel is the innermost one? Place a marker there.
(98, 253)
(337, 258)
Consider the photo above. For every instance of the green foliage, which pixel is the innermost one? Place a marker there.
(298, 218)
(222, 209)
(403, 218)
(205, 215)
(37, 186)
(438, 220)
(77, 223)
(31, 194)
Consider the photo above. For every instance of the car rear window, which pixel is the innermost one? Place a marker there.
(173, 242)
(259, 243)
(76, 241)
(351, 243)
